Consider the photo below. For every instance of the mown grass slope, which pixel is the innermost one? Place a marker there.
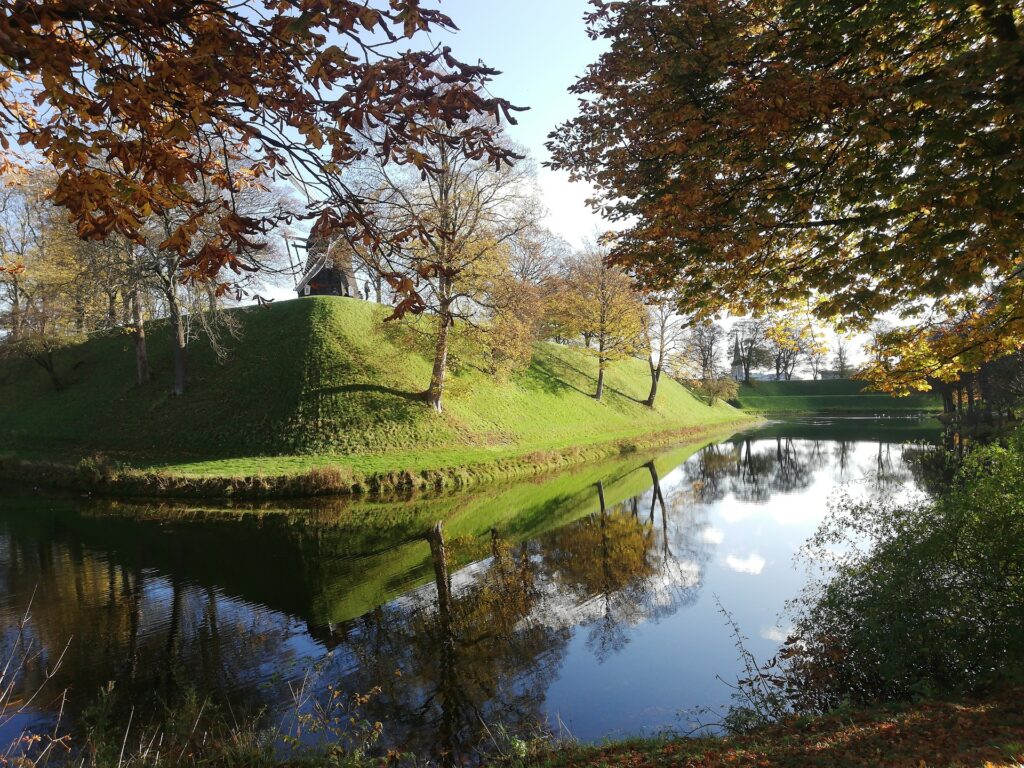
(831, 396)
(324, 380)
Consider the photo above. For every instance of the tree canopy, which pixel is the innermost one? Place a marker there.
(130, 102)
(865, 153)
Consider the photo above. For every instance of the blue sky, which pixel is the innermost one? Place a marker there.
(541, 47)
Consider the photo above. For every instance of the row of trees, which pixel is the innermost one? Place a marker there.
(56, 288)
(786, 343)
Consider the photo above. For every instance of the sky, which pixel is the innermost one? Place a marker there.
(541, 47)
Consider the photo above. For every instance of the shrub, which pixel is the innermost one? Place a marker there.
(931, 600)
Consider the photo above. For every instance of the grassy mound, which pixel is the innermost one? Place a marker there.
(323, 381)
(831, 396)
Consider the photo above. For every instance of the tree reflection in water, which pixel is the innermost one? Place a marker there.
(461, 626)
(482, 646)
(753, 470)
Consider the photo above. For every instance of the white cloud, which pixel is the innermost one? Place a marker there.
(712, 535)
(752, 564)
(775, 634)
(568, 213)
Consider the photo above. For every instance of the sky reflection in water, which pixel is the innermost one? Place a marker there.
(589, 602)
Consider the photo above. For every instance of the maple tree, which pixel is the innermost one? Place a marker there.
(866, 153)
(131, 102)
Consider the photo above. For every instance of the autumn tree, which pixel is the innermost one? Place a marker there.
(764, 151)
(790, 340)
(476, 211)
(47, 301)
(817, 357)
(129, 101)
(600, 304)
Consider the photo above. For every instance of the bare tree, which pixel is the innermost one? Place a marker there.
(665, 338)
(702, 351)
(476, 212)
(841, 356)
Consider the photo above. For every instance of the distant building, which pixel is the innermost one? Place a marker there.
(737, 361)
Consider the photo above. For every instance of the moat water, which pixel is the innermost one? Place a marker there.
(592, 604)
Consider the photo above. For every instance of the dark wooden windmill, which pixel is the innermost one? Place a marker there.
(328, 270)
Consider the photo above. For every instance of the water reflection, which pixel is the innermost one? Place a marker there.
(585, 598)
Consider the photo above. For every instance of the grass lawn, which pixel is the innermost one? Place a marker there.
(980, 734)
(830, 396)
(325, 382)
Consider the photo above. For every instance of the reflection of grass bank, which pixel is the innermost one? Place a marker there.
(332, 560)
(836, 396)
(988, 732)
(319, 396)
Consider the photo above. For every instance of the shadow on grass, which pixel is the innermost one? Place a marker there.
(375, 389)
(554, 379)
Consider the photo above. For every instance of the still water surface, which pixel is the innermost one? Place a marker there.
(589, 603)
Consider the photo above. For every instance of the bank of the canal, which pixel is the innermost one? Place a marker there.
(978, 733)
(319, 395)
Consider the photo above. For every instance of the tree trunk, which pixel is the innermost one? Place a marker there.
(655, 377)
(139, 334)
(79, 313)
(600, 380)
(434, 394)
(49, 364)
(178, 346)
(948, 406)
(112, 309)
(16, 313)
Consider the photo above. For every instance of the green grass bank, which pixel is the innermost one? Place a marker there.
(835, 396)
(319, 396)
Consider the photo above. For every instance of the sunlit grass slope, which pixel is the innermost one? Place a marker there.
(832, 396)
(324, 381)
